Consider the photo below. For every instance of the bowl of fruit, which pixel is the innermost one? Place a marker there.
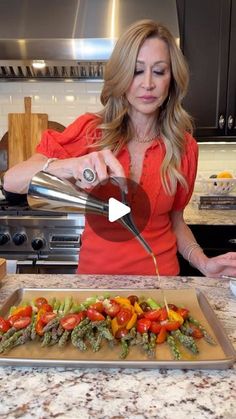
(221, 183)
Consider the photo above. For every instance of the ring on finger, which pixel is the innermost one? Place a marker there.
(89, 175)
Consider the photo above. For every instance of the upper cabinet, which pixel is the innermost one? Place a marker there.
(208, 41)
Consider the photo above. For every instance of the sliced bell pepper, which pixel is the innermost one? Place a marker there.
(137, 308)
(132, 321)
(123, 301)
(153, 304)
(114, 326)
(174, 316)
(162, 335)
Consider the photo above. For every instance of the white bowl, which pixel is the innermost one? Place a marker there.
(232, 285)
(218, 186)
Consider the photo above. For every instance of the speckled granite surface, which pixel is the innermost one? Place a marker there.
(193, 215)
(121, 393)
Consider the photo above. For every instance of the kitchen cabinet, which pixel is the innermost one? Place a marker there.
(214, 239)
(208, 41)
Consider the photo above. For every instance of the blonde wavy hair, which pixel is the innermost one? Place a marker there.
(173, 120)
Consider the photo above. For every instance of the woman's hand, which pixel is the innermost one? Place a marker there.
(103, 163)
(221, 265)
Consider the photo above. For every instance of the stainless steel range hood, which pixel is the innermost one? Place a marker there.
(73, 37)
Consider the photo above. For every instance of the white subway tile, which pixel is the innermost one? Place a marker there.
(10, 88)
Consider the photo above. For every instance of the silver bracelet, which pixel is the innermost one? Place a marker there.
(188, 248)
(190, 252)
(49, 161)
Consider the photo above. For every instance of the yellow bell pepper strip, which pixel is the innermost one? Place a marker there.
(132, 321)
(122, 301)
(137, 308)
(114, 326)
(174, 316)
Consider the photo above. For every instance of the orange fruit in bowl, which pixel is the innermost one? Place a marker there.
(225, 174)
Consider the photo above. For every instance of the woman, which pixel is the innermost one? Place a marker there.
(144, 134)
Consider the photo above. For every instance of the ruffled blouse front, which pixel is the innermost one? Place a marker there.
(99, 254)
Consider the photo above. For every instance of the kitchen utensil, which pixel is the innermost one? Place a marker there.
(48, 192)
(24, 133)
(3, 268)
(56, 126)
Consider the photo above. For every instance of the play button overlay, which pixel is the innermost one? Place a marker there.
(117, 210)
(109, 226)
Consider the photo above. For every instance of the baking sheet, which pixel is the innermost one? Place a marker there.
(220, 356)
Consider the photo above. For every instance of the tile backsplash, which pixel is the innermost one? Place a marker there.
(65, 101)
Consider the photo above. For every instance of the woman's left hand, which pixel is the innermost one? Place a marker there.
(221, 265)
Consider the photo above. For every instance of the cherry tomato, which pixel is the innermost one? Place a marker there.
(172, 325)
(21, 322)
(12, 319)
(163, 315)
(112, 308)
(121, 333)
(40, 301)
(143, 325)
(153, 314)
(94, 315)
(123, 316)
(22, 311)
(162, 335)
(172, 307)
(46, 307)
(196, 332)
(69, 321)
(98, 306)
(39, 327)
(4, 325)
(81, 315)
(47, 317)
(183, 312)
(144, 306)
(155, 327)
(133, 299)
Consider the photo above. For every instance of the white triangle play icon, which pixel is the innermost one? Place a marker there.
(116, 209)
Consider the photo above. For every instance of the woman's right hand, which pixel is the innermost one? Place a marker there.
(103, 163)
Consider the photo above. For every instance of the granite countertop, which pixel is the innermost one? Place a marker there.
(34, 392)
(193, 215)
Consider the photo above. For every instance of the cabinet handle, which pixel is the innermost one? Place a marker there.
(221, 121)
(230, 122)
(232, 241)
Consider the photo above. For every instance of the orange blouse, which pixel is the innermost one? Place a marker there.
(101, 256)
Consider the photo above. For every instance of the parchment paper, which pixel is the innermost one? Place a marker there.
(182, 297)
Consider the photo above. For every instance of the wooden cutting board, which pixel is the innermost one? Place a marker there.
(24, 133)
(3, 268)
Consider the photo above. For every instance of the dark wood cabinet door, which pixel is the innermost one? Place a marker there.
(231, 98)
(208, 47)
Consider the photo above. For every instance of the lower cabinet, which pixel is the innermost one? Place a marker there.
(214, 239)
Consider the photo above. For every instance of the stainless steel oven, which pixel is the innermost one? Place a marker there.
(40, 242)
